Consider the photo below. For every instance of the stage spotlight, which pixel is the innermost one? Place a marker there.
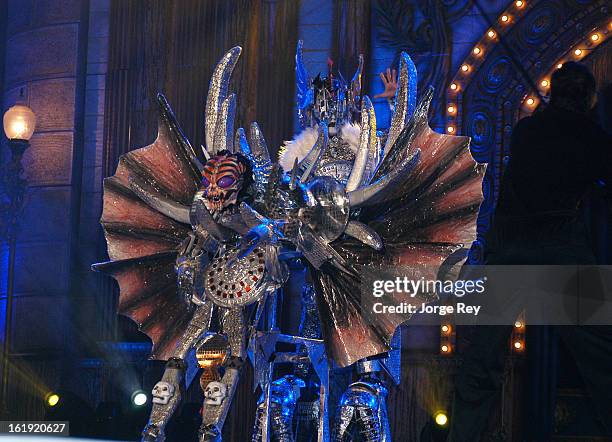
(441, 418)
(52, 399)
(139, 398)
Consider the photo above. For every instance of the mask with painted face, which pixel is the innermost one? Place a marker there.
(222, 180)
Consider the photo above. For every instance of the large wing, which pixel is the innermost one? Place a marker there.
(424, 208)
(144, 222)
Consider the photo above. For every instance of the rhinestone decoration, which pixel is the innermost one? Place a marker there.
(237, 284)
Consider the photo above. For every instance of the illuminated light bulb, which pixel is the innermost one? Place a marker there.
(595, 37)
(491, 33)
(530, 101)
(476, 50)
(560, 65)
(578, 52)
(544, 83)
(53, 399)
(450, 129)
(139, 398)
(505, 18)
(451, 109)
(445, 348)
(441, 418)
(519, 3)
(19, 122)
(454, 86)
(518, 345)
(465, 68)
(518, 324)
(445, 328)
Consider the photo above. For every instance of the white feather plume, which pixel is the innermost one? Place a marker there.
(297, 148)
(305, 140)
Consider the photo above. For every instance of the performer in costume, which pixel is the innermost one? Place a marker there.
(196, 235)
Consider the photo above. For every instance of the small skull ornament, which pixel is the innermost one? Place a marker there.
(214, 393)
(162, 393)
(222, 180)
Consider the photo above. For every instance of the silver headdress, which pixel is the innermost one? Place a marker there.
(330, 99)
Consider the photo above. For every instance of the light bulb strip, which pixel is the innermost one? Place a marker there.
(576, 52)
(591, 40)
(477, 55)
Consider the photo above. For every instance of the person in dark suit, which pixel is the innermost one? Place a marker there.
(555, 156)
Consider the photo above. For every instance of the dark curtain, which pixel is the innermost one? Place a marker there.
(351, 36)
(173, 46)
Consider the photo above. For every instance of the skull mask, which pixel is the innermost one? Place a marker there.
(214, 393)
(162, 392)
(222, 180)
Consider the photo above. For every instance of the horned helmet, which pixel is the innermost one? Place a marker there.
(330, 99)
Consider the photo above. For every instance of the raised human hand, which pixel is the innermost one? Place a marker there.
(389, 80)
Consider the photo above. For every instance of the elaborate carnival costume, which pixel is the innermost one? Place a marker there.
(221, 228)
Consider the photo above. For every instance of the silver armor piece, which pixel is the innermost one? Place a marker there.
(213, 416)
(365, 234)
(230, 281)
(304, 93)
(174, 375)
(363, 411)
(368, 366)
(217, 93)
(224, 129)
(330, 214)
(235, 328)
(284, 394)
(337, 161)
(260, 158)
(241, 145)
(405, 100)
(366, 195)
(367, 139)
(202, 220)
(309, 164)
(330, 100)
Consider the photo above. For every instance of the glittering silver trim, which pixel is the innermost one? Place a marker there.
(217, 93)
(224, 130)
(367, 139)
